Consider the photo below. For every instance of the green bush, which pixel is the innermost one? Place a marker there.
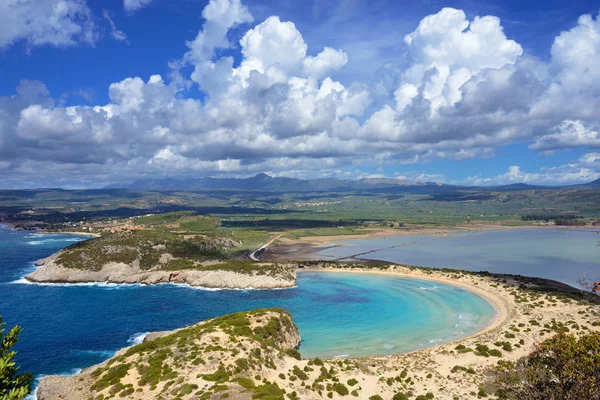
(340, 388)
(13, 386)
(562, 367)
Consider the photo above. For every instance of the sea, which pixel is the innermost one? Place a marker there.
(70, 327)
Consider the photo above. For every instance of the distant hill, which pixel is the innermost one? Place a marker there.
(264, 182)
(595, 183)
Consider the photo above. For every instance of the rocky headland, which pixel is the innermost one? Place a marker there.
(149, 257)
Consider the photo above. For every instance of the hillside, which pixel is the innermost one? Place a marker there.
(151, 256)
(219, 357)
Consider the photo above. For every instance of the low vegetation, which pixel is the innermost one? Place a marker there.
(143, 246)
(561, 367)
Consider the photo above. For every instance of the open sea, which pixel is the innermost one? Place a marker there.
(69, 327)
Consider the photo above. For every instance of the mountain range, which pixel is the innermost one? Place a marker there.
(282, 184)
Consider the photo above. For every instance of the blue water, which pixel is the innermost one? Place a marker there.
(67, 327)
(561, 254)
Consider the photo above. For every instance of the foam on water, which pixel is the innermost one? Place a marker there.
(46, 241)
(137, 338)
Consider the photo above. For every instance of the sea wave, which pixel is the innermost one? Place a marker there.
(102, 285)
(102, 353)
(50, 240)
(137, 338)
(114, 286)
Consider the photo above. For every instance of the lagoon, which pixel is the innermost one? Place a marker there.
(564, 255)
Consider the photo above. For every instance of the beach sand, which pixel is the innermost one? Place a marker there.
(519, 313)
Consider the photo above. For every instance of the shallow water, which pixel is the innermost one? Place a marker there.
(69, 327)
(559, 254)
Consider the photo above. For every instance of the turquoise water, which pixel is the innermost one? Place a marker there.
(559, 254)
(68, 327)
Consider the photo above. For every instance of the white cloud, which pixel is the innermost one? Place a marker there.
(325, 62)
(465, 89)
(115, 33)
(135, 5)
(569, 134)
(583, 170)
(272, 43)
(46, 22)
(446, 50)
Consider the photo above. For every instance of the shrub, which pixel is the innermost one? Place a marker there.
(352, 382)
(299, 373)
(562, 367)
(400, 396)
(495, 353)
(340, 388)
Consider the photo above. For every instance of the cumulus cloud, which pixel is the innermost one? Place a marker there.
(464, 89)
(46, 22)
(569, 134)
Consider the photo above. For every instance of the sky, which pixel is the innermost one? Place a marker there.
(461, 92)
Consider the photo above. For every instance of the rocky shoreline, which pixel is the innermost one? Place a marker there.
(50, 271)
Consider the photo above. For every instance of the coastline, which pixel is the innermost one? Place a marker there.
(524, 318)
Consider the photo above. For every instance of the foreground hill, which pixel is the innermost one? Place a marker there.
(150, 257)
(213, 359)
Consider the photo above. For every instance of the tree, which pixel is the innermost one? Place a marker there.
(562, 367)
(13, 386)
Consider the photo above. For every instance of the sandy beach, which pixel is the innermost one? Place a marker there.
(523, 319)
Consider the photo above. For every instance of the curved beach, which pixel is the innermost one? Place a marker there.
(498, 301)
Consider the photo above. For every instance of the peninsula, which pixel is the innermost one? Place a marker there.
(152, 257)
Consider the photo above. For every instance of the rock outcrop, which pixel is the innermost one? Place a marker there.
(264, 276)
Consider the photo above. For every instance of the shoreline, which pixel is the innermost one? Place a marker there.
(502, 307)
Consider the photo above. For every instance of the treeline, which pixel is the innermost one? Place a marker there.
(570, 222)
(547, 217)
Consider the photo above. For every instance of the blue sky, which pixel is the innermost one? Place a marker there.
(96, 92)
